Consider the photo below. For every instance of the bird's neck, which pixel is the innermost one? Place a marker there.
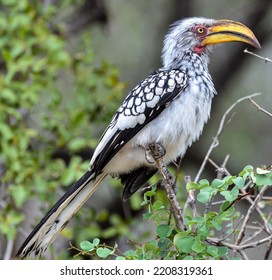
(196, 67)
(187, 60)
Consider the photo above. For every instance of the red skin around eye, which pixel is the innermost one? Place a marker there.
(199, 49)
(197, 27)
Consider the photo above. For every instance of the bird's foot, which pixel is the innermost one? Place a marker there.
(157, 150)
(149, 157)
(154, 152)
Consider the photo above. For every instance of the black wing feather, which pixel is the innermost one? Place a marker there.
(121, 137)
(135, 179)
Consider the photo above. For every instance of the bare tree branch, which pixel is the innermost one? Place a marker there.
(219, 131)
(249, 212)
(253, 236)
(259, 56)
(243, 254)
(168, 182)
(267, 228)
(268, 251)
(260, 108)
(237, 248)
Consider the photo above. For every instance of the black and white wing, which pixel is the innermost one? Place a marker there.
(143, 104)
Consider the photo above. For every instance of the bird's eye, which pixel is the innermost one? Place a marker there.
(200, 30)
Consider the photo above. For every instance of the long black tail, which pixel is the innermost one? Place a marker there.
(59, 215)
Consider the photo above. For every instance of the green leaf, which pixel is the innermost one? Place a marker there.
(188, 258)
(222, 251)
(217, 183)
(130, 253)
(103, 252)
(191, 186)
(150, 193)
(77, 144)
(151, 246)
(239, 181)
(96, 241)
(9, 223)
(212, 250)
(204, 182)
(183, 243)
(262, 180)
(69, 175)
(5, 131)
(202, 229)
(235, 192)
(164, 230)
(225, 211)
(9, 95)
(147, 216)
(231, 195)
(120, 258)
(164, 243)
(198, 246)
(224, 206)
(86, 245)
(205, 195)
(217, 224)
(157, 205)
(248, 168)
(19, 194)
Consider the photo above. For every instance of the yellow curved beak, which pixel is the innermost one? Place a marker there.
(230, 31)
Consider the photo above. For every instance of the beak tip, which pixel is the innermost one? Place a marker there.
(258, 45)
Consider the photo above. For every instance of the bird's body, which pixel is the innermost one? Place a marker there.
(169, 107)
(191, 104)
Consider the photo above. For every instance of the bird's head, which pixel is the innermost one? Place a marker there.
(198, 35)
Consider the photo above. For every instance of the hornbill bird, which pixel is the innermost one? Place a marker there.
(169, 107)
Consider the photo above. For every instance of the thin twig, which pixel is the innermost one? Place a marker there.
(221, 170)
(249, 212)
(268, 251)
(234, 229)
(263, 198)
(219, 131)
(235, 247)
(266, 59)
(190, 201)
(255, 244)
(260, 108)
(253, 236)
(243, 254)
(218, 202)
(267, 227)
(254, 228)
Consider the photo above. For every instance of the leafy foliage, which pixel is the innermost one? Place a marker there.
(205, 232)
(49, 98)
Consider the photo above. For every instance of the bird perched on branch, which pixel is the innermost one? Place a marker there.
(169, 107)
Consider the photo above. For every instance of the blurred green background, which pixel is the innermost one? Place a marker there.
(65, 66)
